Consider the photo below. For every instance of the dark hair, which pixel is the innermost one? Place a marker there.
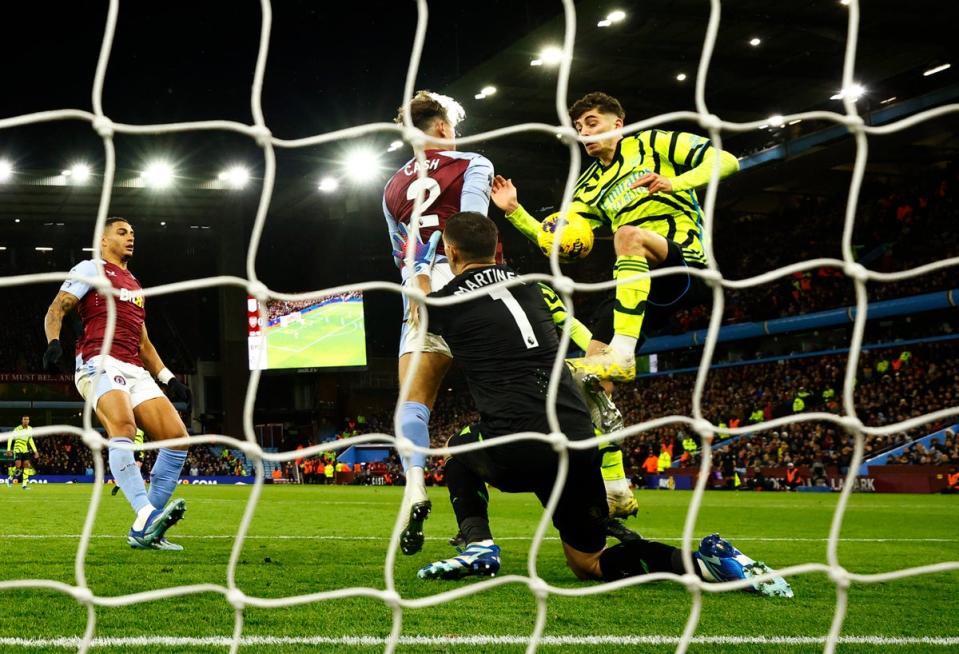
(473, 234)
(596, 100)
(424, 110)
(114, 219)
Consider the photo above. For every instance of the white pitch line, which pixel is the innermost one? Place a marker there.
(73, 642)
(499, 538)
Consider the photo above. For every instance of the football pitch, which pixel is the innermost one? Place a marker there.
(305, 539)
(330, 336)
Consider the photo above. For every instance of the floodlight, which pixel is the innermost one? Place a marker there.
(616, 16)
(937, 69)
(235, 177)
(6, 170)
(362, 165)
(329, 184)
(157, 174)
(551, 55)
(681, 77)
(755, 41)
(79, 173)
(488, 90)
(395, 145)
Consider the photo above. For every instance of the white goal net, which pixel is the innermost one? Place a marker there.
(540, 589)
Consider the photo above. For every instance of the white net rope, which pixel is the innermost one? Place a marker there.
(541, 590)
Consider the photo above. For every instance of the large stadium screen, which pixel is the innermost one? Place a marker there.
(325, 332)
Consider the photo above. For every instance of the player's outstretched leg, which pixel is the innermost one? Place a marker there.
(414, 421)
(607, 418)
(165, 475)
(721, 561)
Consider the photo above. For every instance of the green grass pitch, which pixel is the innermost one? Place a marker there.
(312, 538)
(331, 336)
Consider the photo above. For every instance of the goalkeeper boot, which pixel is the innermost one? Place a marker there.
(606, 364)
(726, 563)
(157, 525)
(602, 411)
(458, 541)
(411, 539)
(619, 531)
(477, 560)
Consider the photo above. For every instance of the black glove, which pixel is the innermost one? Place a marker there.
(180, 392)
(51, 358)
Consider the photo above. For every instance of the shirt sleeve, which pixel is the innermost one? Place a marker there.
(76, 287)
(694, 154)
(477, 183)
(578, 332)
(32, 444)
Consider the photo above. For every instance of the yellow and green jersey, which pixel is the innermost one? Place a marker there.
(604, 194)
(23, 442)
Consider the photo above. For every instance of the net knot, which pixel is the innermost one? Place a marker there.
(851, 424)
(564, 285)
(262, 134)
(558, 440)
(103, 126)
(539, 588)
(704, 428)
(93, 440)
(567, 135)
(414, 137)
(840, 577)
(82, 594)
(712, 277)
(690, 581)
(710, 122)
(236, 598)
(856, 270)
(258, 290)
(391, 598)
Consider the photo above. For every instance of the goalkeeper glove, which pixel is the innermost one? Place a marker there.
(51, 358)
(424, 254)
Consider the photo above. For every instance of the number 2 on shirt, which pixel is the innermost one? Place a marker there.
(432, 190)
(522, 321)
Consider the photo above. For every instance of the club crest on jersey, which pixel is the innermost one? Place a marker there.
(119, 380)
(126, 295)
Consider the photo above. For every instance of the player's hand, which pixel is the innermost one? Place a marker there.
(424, 254)
(51, 358)
(654, 182)
(179, 391)
(504, 194)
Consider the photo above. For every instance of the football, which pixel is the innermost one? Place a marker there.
(577, 236)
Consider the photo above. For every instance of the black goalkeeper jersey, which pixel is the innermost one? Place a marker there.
(505, 340)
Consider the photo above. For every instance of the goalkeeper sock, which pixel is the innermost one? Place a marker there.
(414, 423)
(127, 475)
(470, 501)
(630, 306)
(165, 475)
(640, 557)
(26, 475)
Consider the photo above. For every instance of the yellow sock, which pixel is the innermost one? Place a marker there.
(612, 463)
(27, 473)
(630, 307)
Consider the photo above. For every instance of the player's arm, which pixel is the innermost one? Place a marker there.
(477, 183)
(398, 234)
(505, 196)
(62, 304)
(32, 445)
(692, 153)
(578, 332)
(154, 365)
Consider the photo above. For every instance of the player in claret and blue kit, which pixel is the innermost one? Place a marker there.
(124, 393)
(453, 182)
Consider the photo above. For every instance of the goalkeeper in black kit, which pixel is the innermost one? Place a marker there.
(506, 343)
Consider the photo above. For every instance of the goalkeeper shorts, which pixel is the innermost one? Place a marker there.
(442, 275)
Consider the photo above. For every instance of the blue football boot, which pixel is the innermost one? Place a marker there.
(726, 563)
(152, 536)
(476, 560)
